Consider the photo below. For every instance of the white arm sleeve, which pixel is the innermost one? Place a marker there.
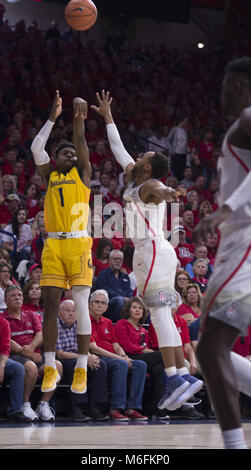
(241, 195)
(117, 147)
(38, 145)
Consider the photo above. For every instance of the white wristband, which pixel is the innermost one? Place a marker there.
(117, 147)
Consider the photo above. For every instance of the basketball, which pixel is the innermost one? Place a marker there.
(81, 14)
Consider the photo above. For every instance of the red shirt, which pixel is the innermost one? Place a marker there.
(5, 215)
(133, 341)
(206, 150)
(204, 194)
(103, 333)
(35, 309)
(23, 330)
(4, 336)
(184, 308)
(184, 253)
(99, 266)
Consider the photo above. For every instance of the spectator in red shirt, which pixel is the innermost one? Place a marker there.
(33, 211)
(112, 194)
(33, 298)
(26, 341)
(19, 173)
(93, 134)
(8, 209)
(200, 188)
(104, 343)
(184, 250)
(13, 373)
(100, 260)
(206, 153)
(100, 153)
(10, 158)
(188, 223)
(212, 243)
(190, 309)
(133, 338)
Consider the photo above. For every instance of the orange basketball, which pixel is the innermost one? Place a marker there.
(81, 14)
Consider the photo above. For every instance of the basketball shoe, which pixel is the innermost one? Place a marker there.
(195, 386)
(50, 379)
(174, 386)
(79, 384)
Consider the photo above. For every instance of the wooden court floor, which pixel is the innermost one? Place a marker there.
(167, 435)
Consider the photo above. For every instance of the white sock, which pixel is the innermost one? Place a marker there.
(171, 371)
(234, 439)
(82, 361)
(50, 359)
(182, 371)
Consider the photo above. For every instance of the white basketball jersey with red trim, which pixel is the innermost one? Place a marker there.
(144, 221)
(233, 166)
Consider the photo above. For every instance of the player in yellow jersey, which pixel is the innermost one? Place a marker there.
(66, 257)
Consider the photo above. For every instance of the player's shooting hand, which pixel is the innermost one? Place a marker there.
(104, 106)
(80, 108)
(56, 107)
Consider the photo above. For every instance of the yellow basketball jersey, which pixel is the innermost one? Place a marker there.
(66, 205)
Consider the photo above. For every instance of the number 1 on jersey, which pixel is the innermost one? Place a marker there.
(61, 196)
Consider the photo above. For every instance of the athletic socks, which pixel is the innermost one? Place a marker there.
(234, 439)
(50, 359)
(82, 361)
(170, 371)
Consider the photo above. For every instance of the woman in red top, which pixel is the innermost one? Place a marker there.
(33, 298)
(133, 338)
(190, 309)
(100, 260)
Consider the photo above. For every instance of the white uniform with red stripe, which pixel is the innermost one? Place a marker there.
(228, 294)
(155, 260)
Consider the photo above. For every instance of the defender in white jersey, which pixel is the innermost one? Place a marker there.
(155, 261)
(227, 302)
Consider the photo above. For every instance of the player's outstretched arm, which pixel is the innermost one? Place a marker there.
(116, 144)
(80, 109)
(155, 191)
(40, 155)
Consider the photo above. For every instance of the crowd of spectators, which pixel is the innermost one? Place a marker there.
(166, 100)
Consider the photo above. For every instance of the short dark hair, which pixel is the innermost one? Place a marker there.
(240, 66)
(62, 146)
(160, 165)
(125, 312)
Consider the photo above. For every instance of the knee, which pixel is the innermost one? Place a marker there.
(117, 301)
(122, 366)
(140, 366)
(103, 366)
(17, 369)
(31, 369)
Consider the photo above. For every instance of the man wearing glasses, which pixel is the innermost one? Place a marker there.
(116, 283)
